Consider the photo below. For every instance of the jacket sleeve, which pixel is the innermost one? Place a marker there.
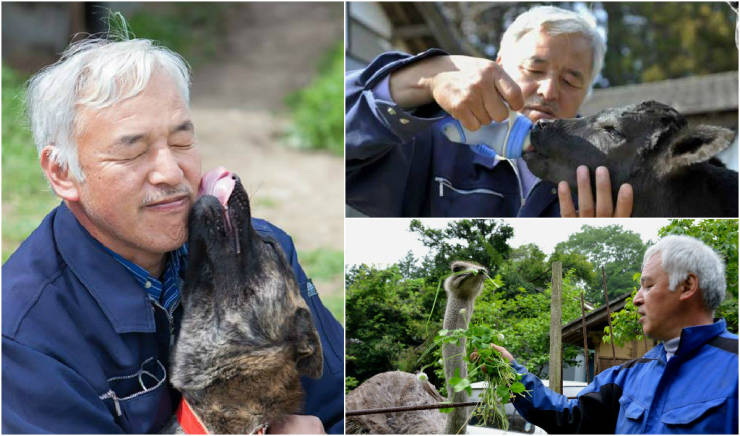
(374, 125)
(324, 396)
(595, 411)
(63, 403)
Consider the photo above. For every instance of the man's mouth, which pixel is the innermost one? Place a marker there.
(548, 112)
(170, 203)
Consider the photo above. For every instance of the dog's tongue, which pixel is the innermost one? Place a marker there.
(219, 183)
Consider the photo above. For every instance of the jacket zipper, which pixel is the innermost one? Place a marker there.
(444, 182)
(170, 318)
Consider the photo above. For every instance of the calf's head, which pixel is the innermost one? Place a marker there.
(647, 139)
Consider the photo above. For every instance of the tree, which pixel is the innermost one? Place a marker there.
(619, 251)
(479, 240)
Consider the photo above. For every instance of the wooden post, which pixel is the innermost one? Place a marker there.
(556, 334)
(585, 338)
(609, 316)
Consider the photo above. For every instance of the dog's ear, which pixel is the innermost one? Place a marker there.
(309, 357)
(690, 146)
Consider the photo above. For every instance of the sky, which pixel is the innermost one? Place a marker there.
(384, 241)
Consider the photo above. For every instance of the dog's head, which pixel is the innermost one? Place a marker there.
(239, 285)
(649, 137)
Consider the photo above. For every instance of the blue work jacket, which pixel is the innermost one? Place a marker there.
(85, 350)
(398, 165)
(694, 392)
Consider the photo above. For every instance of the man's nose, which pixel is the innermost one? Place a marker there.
(638, 300)
(548, 88)
(166, 168)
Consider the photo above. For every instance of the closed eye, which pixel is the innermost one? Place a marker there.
(612, 131)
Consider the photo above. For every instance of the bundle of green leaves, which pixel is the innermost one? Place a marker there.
(486, 363)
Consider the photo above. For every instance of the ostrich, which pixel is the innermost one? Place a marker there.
(396, 388)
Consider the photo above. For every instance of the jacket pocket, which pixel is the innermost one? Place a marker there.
(691, 415)
(453, 200)
(141, 400)
(633, 411)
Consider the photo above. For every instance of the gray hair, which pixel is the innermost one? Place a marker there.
(554, 21)
(681, 255)
(95, 73)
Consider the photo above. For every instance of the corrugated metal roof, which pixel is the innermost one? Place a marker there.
(690, 95)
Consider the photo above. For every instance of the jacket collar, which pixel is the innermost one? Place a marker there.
(115, 289)
(696, 336)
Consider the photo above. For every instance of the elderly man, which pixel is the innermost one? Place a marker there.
(686, 384)
(398, 164)
(91, 298)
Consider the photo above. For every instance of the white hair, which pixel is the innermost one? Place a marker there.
(554, 21)
(93, 73)
(681, 255)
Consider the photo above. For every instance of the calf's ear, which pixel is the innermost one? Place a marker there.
(692, 145)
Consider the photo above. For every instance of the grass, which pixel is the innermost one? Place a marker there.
(317, 111)
(26, 196)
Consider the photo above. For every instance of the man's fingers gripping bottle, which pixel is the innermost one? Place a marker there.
(507, 138)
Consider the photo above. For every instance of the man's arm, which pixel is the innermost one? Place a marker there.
(41, 395)
(594, 411)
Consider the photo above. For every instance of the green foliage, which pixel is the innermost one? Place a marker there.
(487, 364)
(619, 251)
(651, 41)
(625, 325)
(350, 383)
(26, 195)
(317, 110)
(194, 30)
(483, 241)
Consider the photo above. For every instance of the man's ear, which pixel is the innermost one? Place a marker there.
(692, 145)
(689, 287)
(61, 181)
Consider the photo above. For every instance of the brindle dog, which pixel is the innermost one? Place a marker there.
(246, 335)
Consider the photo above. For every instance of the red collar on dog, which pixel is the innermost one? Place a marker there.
(191, 424)
(188, 421)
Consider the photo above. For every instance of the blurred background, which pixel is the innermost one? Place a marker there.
(683, 54)
(266, 100)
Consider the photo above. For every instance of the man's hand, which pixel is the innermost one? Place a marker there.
(504, 352)
(604, 207)
(472, 90)
(297, 424)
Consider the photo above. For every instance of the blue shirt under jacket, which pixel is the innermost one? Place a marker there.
(695, 391)
(398, 165)
(85, 351)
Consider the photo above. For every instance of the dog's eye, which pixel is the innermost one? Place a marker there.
(457, 268)
(611, 130)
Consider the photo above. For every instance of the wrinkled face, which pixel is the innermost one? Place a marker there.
(141, 171)
(553, 73)
(619, 138)
(240, 292)
(659, 307)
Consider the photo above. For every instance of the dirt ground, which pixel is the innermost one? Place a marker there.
(239, 119)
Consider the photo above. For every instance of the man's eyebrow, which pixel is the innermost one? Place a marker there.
(130, 139)
(187, 126)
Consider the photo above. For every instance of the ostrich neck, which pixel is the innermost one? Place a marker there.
(452, 357)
